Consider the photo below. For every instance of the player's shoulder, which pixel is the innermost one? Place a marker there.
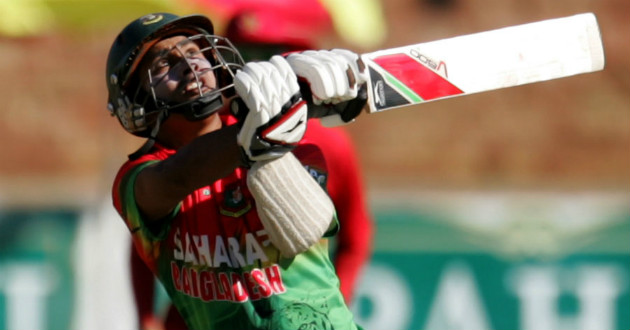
(157, 153)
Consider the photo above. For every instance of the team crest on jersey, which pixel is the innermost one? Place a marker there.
(234, 203)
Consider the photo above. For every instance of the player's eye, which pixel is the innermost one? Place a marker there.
(162, 63)
(194, 54)
(159, 69)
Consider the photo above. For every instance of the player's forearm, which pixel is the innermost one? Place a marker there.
(203, 161)
(160, 187)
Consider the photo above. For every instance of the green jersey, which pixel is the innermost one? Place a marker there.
(216, 262)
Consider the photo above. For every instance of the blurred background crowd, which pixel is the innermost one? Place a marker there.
(501, 210)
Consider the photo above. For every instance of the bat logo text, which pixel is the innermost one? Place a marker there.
(439, 67)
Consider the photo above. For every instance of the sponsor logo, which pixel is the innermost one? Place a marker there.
(437, 66)
(151, 19)
(218, 251)
(317, 174)
(239, 287)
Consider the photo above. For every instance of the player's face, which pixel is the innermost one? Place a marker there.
(177, 70)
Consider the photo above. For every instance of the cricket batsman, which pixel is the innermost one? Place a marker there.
(218, 206)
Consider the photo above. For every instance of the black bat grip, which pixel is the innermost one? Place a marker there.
(347, 110)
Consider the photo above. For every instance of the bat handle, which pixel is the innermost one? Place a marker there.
(239, 109)
(314, 111)
(348, 110)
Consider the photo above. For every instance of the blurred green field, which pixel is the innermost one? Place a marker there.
(482, 265)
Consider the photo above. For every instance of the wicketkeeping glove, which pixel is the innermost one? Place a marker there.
(336, 81)
(274, 119)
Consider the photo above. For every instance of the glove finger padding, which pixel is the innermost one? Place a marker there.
(356, 65)
(333, 76)
(334, 80)
(294, 209)
(345, 112)
(276, 118)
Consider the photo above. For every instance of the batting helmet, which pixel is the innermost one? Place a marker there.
(138, 110)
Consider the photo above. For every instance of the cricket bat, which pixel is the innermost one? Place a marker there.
(484, 61)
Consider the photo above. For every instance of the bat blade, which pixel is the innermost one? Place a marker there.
(484, 61)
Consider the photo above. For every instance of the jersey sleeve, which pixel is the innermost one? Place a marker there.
(145, 237)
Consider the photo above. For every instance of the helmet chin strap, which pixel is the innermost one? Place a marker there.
(151, 138)
(198, 109)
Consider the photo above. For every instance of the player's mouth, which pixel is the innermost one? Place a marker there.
(195, 88)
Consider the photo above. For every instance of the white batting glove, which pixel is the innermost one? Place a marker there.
(276, 114)
(336, 79)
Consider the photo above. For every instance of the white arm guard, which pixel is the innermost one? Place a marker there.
(294, 209)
